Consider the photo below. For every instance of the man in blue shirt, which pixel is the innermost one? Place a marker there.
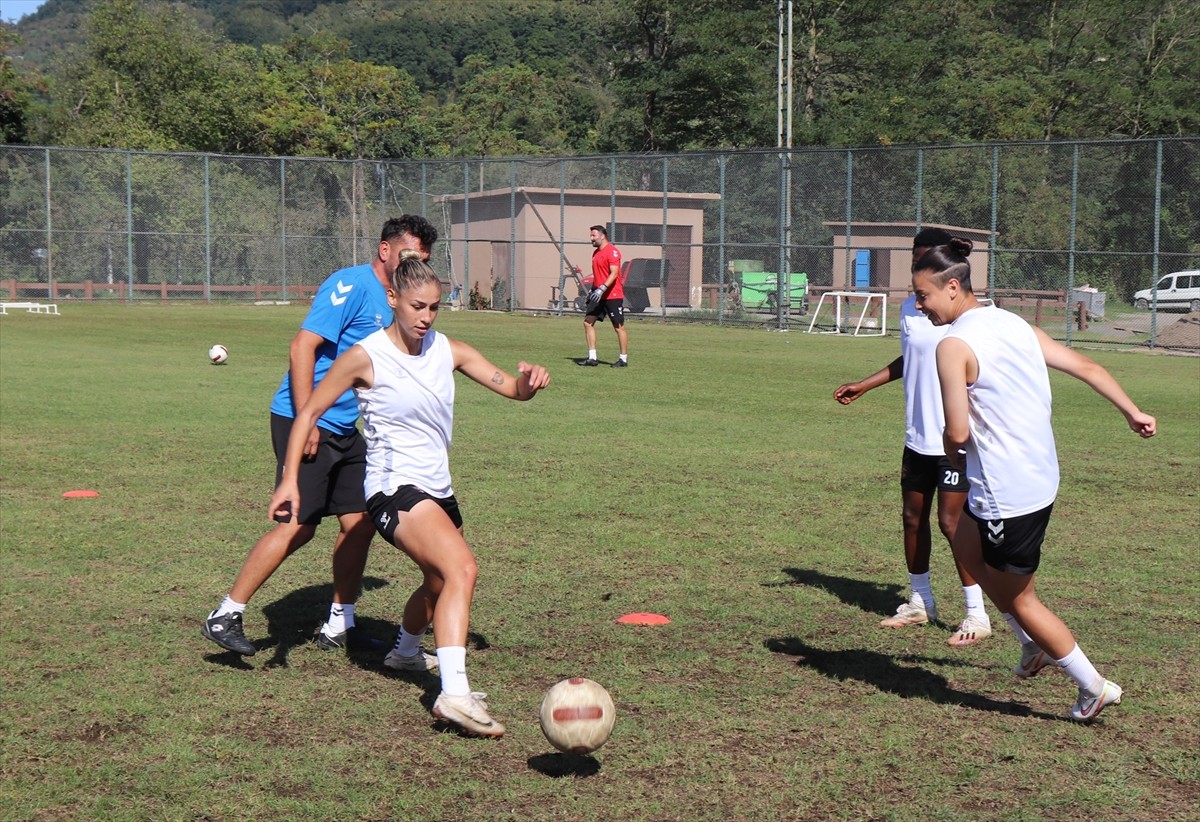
(349, 305)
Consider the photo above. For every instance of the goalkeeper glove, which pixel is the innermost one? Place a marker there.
(597, 295)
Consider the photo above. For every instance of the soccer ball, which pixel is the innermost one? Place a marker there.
(218, 354)
(577, 715)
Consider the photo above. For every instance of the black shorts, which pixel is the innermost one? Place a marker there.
(613, 309)
(1014, 545)
(384, 508)
(925, 472)
(332, 482)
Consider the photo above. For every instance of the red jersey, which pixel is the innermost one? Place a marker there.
(602, 259)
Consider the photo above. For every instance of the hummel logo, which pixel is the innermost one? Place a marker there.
(384, 519)
(996, 532)
(344, 290)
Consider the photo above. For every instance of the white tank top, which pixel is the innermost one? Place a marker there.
(1011, 462)
(924, 419)
(408, 415)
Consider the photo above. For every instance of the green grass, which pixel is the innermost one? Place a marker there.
(715, 481)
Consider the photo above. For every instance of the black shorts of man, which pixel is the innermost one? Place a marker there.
(607, 297)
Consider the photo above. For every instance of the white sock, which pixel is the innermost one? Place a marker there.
(452, 662)
(624, 358)
(922, 594)
(228, 606)
(341, 618)
(408, 644)
(1080, 669)
(1016, 628)
(973, 595)
(591, 353)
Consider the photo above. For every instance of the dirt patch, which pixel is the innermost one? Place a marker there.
(1184, 333)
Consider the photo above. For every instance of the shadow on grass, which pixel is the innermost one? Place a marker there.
(885, 673)
(559, 765)
(872, 597)
(295, 618)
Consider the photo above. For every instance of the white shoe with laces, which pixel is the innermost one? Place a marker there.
(1033, 659)
(970, 631)
(1087, 708)
(910, 614)
(420, 662)
(469, 712)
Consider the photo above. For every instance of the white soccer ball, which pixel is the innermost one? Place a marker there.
(218, 354)
(577, 715)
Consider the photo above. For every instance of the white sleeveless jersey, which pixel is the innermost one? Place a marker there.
(408, 416)
(924, 420)
(1011, 462)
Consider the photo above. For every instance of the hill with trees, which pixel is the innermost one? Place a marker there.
(445, 78)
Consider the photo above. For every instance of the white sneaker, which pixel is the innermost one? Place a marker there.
(971, 630)
(420, 662)
(1087, 708)
(910, 614)
(468, 712)
(1033, 659)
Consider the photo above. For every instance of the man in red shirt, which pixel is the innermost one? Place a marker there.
(607, 297)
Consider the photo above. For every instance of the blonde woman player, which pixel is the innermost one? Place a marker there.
(404, 378)
(996, 397)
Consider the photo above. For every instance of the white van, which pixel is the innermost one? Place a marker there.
(1178, 290)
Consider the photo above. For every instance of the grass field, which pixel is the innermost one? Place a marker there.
(715, 481)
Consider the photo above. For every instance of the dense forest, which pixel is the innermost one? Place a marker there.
(488, 78)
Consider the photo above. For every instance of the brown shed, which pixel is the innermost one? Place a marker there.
(495, 233)
(880, 255)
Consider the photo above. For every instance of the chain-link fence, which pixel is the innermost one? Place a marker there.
(1070, 232)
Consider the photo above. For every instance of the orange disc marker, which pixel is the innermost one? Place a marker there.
(644, 619)
(80, 494)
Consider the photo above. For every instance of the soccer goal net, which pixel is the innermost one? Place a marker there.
(847, 317)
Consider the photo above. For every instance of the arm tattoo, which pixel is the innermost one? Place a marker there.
(498, 378)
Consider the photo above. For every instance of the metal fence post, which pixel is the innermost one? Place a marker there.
(1158, 163)
(849, 217)
(129, 222)
(49, 233)
(562, 231)
(467, 229)
(919, 194)
(1071, 238)
(721, 160)
(992, 251)
(512, 234)
(662, 261)
(207, 235)
(283, 227)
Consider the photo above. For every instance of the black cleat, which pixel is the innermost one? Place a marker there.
(227, 632)
(620, 364)
(588, 361)
(352, 639)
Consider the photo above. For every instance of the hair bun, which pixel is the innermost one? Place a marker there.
(410, 254)
(962, 245)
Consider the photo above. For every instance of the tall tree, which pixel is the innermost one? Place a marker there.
(689, 74)
(16, 95)
(320, 103)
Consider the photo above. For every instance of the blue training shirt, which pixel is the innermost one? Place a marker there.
(349, 305)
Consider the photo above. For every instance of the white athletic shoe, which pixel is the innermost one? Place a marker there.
(420, 662)
(910, 614)
(1033, 659)
(468, 712)
(1087, 708)
(971, 630)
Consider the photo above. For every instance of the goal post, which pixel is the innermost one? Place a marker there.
(863, 326)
